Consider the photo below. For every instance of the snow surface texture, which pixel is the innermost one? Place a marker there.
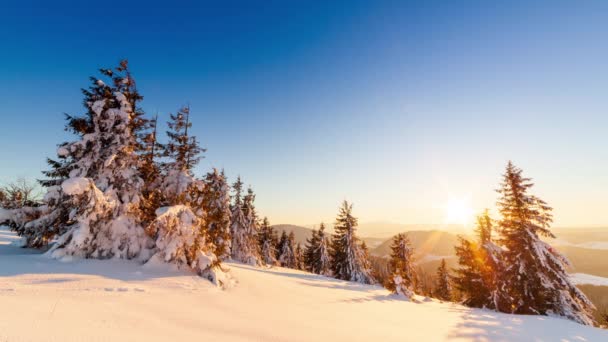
(588, 245)
(582, 278)
(43, 299)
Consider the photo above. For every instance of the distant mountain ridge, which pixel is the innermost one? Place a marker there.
(431, 245)
(433, 242)
(300, 233)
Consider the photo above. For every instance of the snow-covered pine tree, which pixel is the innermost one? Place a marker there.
(311, 247)
(316, 257)
(322, 261)
(244, 245)
(150, 170)
(367, 264)
(251, 216)
(424, 282)
(299, 257)
(286, 250)
(348, 258)
(106, 165)
(443, 287)
(267, 239)
(55, 213)
(180, 225)
(469, 279)
(480, 268)
(182, 152)
(493, 258)
(402, 280)
(216, 202)
(42, 224)
(535, 274)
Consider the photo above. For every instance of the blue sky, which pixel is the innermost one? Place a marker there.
(396, 106)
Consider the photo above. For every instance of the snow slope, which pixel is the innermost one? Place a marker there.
(89, 300)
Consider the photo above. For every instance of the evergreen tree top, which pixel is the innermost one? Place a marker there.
(345, 220)
(321, 232)
(237, 187)
(249, 198)
(265, 223)
(401, 246)
(520, 210)
(182, 148)
(292, 237)
(483, 227)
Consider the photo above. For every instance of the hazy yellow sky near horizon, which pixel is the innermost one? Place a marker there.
(455, 199)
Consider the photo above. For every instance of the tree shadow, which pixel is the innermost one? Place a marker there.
(481, 325)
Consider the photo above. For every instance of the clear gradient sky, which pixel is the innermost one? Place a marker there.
(396, 106)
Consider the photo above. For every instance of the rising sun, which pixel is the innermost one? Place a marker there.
(458, 210)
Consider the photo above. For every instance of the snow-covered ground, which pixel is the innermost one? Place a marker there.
(88, 300)
(583, 278)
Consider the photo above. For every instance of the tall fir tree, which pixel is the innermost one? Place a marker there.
(312, 244)
(322, 261)
(316, 257)
(268, 243)
(104, 188)
(403, 276)
(286, 250)
(106, 164)
(535, 276)
(149, 167)
(39, 226)
(216, 203)
(181, 224)
(181, 154)
(299, 256)
(349, 260)
(367, 264)
(251, 214)
(480, 268)
(443, 287)
(244, 246)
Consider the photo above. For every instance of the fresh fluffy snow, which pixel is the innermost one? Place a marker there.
(43, 299)
(582, 278)
(63, 151)
(5, 215)
(75, 186)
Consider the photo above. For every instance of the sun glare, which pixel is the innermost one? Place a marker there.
(458, 211)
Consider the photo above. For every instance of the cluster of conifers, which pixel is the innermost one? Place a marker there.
(512, 271)
(116, 191)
